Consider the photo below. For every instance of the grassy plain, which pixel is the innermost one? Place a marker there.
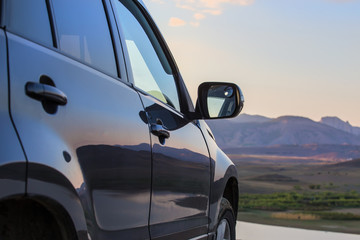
(303, 192)
(267, 217)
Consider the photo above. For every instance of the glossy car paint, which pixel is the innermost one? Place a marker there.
(12, 160)
(223, 172)
(181, 174)
(95, 157)
(108, 143)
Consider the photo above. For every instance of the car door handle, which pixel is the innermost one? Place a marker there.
(159, 130)
(44, 92)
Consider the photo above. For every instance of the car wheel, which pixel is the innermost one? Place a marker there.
(226, 223)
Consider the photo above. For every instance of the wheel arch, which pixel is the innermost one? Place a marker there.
(231, 193)
(21, 214)
(58, 195)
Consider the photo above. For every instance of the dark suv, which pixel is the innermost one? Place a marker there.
(99, 137)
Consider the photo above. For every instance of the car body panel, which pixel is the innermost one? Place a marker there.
(222, 169)
(181, 174)
(12, 160)
(107, 142)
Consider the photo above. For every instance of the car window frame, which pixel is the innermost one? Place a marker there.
(115, 41)
(185, 102)
(4, 23)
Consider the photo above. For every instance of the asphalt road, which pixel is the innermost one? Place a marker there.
(252, 231)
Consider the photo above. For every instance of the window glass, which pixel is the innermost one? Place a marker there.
(32, 24)
(150, 68)
(84, 33)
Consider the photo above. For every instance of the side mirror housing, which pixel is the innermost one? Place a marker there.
(219, 100)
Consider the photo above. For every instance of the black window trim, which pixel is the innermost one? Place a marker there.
(52, 23)
(2, 13)
(123, 48)
(117, 43)
(106, 10)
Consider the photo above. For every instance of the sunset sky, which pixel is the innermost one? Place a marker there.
(290, 57)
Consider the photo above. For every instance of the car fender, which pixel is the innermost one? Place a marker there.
(222, 171)
(52, 189)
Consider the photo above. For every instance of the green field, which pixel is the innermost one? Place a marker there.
(308, 201)
(299, 192)
(266, 217)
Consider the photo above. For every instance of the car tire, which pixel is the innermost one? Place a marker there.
(225, 229)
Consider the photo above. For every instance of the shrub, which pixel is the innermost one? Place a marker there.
(299, 201)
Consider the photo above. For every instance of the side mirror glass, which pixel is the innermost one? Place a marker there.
(219, 100)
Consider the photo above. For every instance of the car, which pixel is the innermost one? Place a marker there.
(99, 136)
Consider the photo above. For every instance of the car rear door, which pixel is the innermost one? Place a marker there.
(78, 119)
(180, 158)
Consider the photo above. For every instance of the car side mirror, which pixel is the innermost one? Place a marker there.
(219, 100)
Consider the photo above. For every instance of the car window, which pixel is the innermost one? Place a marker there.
(84, 34)
(150, 68)
(32, 24)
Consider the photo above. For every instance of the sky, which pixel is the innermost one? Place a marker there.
(289, 57)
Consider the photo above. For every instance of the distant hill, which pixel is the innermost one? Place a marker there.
(258, 131)
(336, 122)
(243, 118)
(349, 164)
(309, 151)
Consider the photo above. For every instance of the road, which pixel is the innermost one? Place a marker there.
(252, 231)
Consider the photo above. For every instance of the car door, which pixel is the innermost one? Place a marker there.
(180, 158)
(79, 120)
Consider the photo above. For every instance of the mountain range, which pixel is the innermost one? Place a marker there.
(340, 124)
(259, 131)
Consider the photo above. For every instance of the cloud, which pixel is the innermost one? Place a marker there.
(241, 2)
(187, 7)
(204, 8)
(176, 22)
(341, 1)
(216, 4)
(199, 16)
(212, 12)
(158, 1)
(195, 24)
(213, 7)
